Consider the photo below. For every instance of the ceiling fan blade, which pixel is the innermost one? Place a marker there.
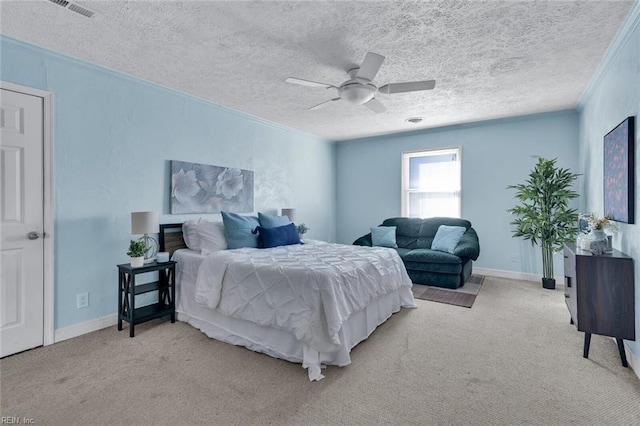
(411, 86)
(309, 83)
(375, 106)
(323, 104)
(370, 66)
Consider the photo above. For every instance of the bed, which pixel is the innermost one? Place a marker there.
(308, 304)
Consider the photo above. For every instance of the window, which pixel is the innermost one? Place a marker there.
(431, 183)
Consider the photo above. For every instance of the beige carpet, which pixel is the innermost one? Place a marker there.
(511, 360)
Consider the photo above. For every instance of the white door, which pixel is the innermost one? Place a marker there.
(21, 222)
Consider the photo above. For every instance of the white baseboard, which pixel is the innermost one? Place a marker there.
(76, 330)
(513, 275)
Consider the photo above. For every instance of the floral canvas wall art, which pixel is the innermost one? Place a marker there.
(201, 188)
(619, 172)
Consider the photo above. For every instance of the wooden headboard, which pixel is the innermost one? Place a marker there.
(171, 237)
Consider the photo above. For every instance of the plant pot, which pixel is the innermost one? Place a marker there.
(137, 262)
(549, 283)
(598, 235)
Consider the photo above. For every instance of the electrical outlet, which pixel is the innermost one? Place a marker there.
(513, 258)
(82, 300)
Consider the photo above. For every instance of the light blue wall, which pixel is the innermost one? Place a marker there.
(114, 136)
(494, 154)
(613, 95)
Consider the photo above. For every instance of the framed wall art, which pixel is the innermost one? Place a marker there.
(201, 188)
(619, 172)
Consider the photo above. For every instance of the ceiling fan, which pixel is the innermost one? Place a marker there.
(358, 89)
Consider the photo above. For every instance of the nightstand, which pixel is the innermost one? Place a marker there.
(599, 293)
(128, 290)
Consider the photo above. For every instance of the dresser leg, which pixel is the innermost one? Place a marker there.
(571, 322)
(623, 355)
(587, 342)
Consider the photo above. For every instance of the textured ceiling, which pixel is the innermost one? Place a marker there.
(490, 59)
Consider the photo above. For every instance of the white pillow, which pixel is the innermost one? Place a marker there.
(211, 236)
(190, 234)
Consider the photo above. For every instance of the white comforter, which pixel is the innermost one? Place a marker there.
(309, 290)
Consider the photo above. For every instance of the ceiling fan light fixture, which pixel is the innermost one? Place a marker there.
(414, 120)
(357, 93)
(359, 90)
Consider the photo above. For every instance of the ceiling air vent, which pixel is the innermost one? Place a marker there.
(73, 7)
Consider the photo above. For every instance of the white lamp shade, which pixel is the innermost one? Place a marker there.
(145, 223)
(290, 213)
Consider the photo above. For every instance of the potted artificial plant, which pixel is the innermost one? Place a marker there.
(302, 229)
(137, 250)
(544, 216)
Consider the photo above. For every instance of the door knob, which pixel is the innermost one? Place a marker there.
(33, 235)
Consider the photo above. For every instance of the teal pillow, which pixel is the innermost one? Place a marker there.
(238, 230)
(447, 238)
(384, 236)
(270, 221)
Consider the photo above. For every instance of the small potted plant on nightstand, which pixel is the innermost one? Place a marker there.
(302, 229)
(136, 252)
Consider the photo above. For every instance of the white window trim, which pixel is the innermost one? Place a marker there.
(404, 181)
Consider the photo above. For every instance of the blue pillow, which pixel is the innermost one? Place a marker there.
(447, 238)
(279, 236)
(238, 229)
(270, 221)
(384, 236)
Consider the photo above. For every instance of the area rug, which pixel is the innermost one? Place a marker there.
(463, 296)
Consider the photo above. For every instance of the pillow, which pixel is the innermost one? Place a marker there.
(212, 236)
(384, 236)
(447, 238)
(279, 236)
(270, 221)
(190, 234)
(238, 229)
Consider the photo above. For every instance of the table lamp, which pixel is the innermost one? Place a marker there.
(146, 223)
(290, 213)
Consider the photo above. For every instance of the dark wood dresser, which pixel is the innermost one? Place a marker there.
(599, 292)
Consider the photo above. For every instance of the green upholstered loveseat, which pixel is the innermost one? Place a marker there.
(425, 266)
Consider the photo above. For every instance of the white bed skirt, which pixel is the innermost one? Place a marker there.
(279, 343)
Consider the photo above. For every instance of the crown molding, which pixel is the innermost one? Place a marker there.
(43, 51)
(621, 38)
